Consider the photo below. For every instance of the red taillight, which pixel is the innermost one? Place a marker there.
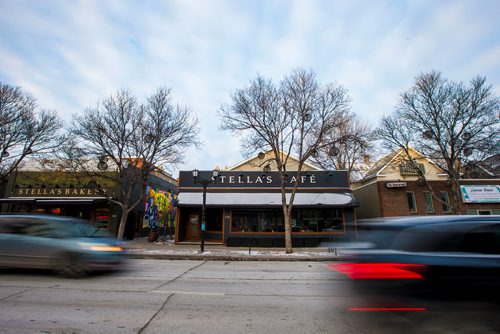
(380, 270)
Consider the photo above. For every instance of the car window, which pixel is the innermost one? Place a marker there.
(483, 239)
(24, 226)
(7, 226)
(47, 227)
(428, 239)
(78, 228)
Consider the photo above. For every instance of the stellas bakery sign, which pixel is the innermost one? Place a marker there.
(61, 192)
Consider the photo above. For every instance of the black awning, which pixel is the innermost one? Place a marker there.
(69, 201)
(18, 200)
(52, 200)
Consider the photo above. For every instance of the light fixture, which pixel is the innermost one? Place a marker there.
(196, 173)
(215, 173)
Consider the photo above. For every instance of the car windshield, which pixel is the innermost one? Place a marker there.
(79, 228)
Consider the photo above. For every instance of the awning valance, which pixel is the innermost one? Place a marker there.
(344, 199)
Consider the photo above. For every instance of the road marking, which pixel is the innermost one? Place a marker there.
(188, 293)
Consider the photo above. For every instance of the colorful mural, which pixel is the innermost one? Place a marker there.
(159, 210)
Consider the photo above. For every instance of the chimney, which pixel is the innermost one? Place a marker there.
(366, 159)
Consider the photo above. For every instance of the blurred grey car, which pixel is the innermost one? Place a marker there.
(69, 246)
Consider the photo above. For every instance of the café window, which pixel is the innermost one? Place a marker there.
(303, 220)
(257, 220)
(321, 220)
(214, 220)
(412, 203)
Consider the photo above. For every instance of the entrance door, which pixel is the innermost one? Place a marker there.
(194, 227)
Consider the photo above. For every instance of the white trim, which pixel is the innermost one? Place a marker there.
(267, 199)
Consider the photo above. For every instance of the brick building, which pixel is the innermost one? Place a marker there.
(392, 188)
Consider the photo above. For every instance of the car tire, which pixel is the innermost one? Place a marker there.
(71, 266)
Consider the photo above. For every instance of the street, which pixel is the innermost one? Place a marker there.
(160, 296)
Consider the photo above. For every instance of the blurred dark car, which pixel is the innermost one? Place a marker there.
(69, 246)
(452, 251)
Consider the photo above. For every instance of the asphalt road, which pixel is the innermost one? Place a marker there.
(162, 296)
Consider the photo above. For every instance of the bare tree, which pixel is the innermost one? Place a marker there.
(352, 140)
(293, 117)
(127, 141)
(446, 121)
(24, 130)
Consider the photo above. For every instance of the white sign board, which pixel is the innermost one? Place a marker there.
(480, 194)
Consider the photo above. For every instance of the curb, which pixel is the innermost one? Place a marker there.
(239, 257)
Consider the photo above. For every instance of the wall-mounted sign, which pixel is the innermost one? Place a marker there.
(480, 193)
(253, 179)
(61, 192)
(395, 184)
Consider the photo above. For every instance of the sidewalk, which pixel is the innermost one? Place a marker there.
(143, 249)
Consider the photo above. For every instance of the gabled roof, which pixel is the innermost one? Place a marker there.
(256, 157)
(487, 168)
(379, 166)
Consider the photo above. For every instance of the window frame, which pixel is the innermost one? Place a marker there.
(428, 202)
(414, 201)
(446, 198)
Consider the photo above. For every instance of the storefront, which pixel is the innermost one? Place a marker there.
(66, 194)
(65, 200)
(243, 207)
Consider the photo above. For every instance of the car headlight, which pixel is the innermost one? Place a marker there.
(100, 247)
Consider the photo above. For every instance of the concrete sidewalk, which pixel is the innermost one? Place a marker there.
(142, 248)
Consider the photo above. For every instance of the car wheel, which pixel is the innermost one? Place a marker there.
(71, 266)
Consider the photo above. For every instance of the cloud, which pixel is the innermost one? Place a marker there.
(72, 54)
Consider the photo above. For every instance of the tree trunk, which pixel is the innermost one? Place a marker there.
(123, 223)
(288, 231)
(455, 197)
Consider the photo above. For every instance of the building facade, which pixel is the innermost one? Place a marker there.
(32, 190)
(392, 188)
(244, 206)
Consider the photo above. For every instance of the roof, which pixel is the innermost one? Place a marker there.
(257, 156)
(487, 168)
(377, 168)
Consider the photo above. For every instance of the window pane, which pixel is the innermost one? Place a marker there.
(444, 197)
(303, 220)
(429, 206)
(412, 205)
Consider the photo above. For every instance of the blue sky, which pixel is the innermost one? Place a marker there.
(71, 54)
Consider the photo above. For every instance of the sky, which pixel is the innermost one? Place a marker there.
(71, 54)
